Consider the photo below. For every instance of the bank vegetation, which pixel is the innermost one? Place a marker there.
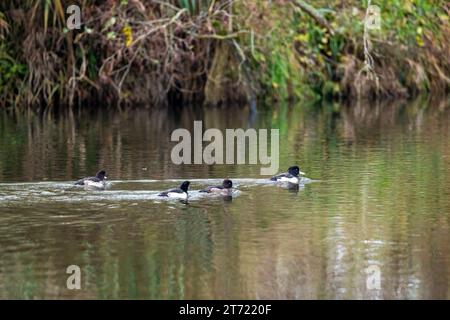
(214, 52)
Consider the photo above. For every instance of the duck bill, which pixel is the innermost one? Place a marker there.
(302, 173)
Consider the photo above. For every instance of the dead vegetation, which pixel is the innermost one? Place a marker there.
(154, 52)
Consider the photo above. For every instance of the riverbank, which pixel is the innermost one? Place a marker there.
(216, 52)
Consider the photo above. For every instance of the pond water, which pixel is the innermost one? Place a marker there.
(379, 200)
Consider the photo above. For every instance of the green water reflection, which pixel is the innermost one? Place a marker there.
(383, 199)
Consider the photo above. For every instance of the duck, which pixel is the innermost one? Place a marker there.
(97, 182)
(291, 176)
(177, 193)
(225, 189)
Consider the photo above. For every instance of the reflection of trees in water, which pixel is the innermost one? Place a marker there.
(384, 200)
(147, 255)
(68, 146)
(394, 186)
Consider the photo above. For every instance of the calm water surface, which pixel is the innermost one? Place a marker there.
(382, 199)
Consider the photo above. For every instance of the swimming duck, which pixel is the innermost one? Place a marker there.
(97, 182)
(225, 189)
(177, 193)
(291, 176)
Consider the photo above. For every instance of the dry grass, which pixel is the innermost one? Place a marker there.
(211, 51)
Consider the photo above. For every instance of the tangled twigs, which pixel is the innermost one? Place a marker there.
(170, 48)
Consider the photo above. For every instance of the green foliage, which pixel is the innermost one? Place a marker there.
(280, 50)
(407, 20)
(194, 6)
(11, 71)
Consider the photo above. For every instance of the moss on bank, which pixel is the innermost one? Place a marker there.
(215, 52)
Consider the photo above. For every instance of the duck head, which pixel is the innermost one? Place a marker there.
(101, 175)
(185, 186)
(295, 171)
(227, 184)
